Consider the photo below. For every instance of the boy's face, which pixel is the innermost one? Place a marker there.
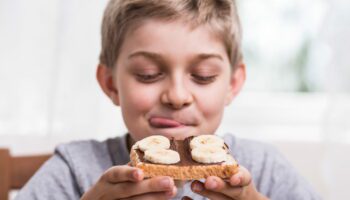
(171, 80)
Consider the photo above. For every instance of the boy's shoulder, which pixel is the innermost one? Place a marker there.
(101, 152)
(88, 159)
(76, 151)
(257, 156)
(247, 148)
(262, 159)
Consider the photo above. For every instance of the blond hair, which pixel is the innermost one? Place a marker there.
(122, 16)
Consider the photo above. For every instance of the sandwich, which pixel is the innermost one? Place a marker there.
(193, 158)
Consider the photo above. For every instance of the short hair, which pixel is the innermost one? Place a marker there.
(122, 16)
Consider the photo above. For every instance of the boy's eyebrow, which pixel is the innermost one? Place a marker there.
(150, 55)
(159, 58)
(204, 56)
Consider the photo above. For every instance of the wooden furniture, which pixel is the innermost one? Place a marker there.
(15, 171)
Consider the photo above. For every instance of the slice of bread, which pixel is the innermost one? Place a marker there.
(186, 168)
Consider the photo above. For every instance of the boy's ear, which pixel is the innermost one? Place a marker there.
(104, 77)
(237, 80)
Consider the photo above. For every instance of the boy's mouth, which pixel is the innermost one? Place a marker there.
(160, 122)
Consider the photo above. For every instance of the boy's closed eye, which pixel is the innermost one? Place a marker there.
(205, 73)
(203, 79)
(145, 71)
(150, 68)
(149, 77)
(153, 77)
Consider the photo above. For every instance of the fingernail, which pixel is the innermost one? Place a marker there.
(165, 182)
(198, 187)
(172, 192)
(236, 180)
(212, 184)
(137, 174)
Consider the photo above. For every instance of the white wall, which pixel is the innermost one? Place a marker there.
(48, 56)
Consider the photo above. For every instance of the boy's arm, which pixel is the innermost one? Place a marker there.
(52, 181)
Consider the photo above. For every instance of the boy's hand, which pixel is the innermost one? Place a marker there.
(125, 182)
(239, 187)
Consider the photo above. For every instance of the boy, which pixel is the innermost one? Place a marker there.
(172, 67)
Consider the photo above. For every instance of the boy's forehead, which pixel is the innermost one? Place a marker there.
(154, 32)
(174, 42)
(152, 24)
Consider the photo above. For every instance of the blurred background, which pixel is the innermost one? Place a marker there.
(297, 94)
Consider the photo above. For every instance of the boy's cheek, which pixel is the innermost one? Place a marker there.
(212, 110)
(139, 98)
(210, 106)
(140, 102)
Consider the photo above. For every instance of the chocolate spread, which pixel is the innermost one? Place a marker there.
(183, 148)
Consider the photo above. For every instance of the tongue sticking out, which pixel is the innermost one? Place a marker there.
(164, 123)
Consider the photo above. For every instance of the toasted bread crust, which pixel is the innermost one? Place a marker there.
(183, 172)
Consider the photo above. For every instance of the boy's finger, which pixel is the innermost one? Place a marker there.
(216, 184)
(153, 185)
(122, 173)
(242, 178)
(199, 188)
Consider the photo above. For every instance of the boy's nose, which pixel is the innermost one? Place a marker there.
(176, 96)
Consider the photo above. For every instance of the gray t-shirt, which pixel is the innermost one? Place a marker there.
(76, 166)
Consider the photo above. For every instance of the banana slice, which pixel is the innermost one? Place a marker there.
(206, 140)
(154, 141)
(230, 160)
(162, 156)
(209, 154)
